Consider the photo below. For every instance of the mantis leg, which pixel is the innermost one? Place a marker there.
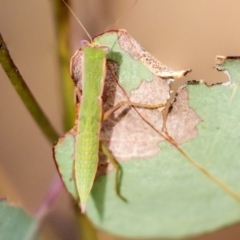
(108, 153)
(128, 103)
(77, 93)
(116, 166)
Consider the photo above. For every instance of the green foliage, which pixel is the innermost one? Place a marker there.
(131, 72)
(167, 195)
(16, 224)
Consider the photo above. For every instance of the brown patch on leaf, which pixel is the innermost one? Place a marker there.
(133, 132)
(136, 51)
(221, 59)
(76, 68)
(129, 44)
(126, 134)
(182, 120)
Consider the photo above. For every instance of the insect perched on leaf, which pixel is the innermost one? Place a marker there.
(88, 70)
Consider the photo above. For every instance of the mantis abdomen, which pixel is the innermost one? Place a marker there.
(90, 117)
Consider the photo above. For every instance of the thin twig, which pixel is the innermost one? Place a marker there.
(24, 92)
(62, 25)
(50, 197)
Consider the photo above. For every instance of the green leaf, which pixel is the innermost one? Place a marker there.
(165, 192)
(125, 62)
(63, 153)
(15, 223)
(175, 188)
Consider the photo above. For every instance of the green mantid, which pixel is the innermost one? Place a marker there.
(88, 69)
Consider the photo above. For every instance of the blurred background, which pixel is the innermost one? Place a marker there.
(182, 34)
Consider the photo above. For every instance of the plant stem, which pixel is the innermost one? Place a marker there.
(24, 92)
(62, 20)
(62, 23)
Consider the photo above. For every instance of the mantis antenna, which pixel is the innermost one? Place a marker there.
(84, 29)
(124, 14)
